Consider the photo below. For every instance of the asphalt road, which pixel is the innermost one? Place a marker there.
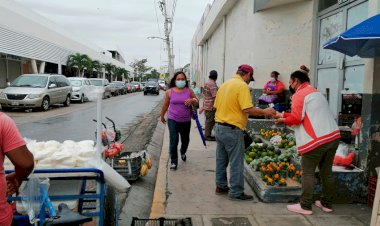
(75, 122)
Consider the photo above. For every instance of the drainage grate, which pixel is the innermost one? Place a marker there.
(230, 221)
(161, 222)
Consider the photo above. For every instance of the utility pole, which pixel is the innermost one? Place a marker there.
(168, 28)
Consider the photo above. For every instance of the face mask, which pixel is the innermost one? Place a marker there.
(193, 86)
(272, 79)
(180, 84)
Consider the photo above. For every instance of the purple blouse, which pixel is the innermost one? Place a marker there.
(178, 111)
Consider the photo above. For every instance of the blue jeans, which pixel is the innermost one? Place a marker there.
(177, 129)
(229, 150)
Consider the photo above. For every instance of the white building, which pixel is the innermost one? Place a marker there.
(28, 40)
(284, 34)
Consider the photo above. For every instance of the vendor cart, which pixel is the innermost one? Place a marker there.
(75, 200)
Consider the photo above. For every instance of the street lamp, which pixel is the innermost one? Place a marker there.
(170, 56)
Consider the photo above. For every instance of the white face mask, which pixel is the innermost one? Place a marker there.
(272, 79)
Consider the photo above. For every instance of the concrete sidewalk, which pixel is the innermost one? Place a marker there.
(189, 192)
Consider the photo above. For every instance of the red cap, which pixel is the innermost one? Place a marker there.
(247, 69)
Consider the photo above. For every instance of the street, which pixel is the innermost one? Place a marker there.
(75, 122)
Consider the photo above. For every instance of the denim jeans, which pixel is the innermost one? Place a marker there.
(177, 129)
(322, 157)
(210, 122)
(229, 150)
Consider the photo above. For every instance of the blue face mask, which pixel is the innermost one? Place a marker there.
(180, 84)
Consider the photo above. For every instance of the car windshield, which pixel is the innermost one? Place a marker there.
(151, 83)
(30, 81)
(135, 83)
(76, 83)
(97, 82)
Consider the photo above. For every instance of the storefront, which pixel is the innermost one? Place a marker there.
(284, 36)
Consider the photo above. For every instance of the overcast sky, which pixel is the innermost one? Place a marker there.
(126, 24)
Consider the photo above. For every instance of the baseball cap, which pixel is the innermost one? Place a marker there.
(247, 69)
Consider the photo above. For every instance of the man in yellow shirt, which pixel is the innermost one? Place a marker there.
(233, 104)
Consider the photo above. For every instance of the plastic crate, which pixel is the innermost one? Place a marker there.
(129, 168)
(372, 182)
(161, 222)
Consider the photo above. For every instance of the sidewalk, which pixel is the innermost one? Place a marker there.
(189, 192)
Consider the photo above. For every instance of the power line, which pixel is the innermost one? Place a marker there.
(158, 23)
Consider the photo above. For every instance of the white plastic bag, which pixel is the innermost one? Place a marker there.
(342, 150)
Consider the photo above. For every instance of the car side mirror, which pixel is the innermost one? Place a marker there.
(52, 86)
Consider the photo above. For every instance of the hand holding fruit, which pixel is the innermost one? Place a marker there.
(280, 121)
(278, 115)
(270, 112)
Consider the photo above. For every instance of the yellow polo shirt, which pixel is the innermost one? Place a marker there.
(232, 98)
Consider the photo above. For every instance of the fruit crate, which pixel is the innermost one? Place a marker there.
(372, 182)
(161, 222)
(128, 167)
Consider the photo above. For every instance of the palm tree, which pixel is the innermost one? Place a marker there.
(79, 61)
(115, 73)
(108, 67)
(90, 67)
(98, 67)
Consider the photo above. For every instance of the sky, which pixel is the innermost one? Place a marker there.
(126, 24)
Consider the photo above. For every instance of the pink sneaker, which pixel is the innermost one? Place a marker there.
(298, 209)
(325, 209)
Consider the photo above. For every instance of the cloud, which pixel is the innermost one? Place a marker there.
(126, 24)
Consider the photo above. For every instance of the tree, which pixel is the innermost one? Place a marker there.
(153, 74)
(139, 68)
(115, 72)
(79, 61)
(98, 67)
(90, 67)
(109, 67)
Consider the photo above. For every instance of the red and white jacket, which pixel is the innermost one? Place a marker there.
(311, 119)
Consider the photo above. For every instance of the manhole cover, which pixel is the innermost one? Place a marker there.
(230, 221)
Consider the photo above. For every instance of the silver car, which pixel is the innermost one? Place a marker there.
(36, 91)
(81, 89)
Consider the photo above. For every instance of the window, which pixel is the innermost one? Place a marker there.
(324, 4)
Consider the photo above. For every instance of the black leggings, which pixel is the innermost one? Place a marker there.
(177, 129)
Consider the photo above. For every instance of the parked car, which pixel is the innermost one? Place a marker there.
(137, 86)
(142, 85)
(129, 87)
(152, 87)
(115, 89)
(122, 87)
(162, 84)
(36, 91)
(101, 82)
(81, 89)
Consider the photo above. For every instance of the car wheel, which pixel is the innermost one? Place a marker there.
(45, 104)
(145, 93)
(82, 99)
(67, 101)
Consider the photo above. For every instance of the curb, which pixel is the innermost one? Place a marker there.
(159, 197)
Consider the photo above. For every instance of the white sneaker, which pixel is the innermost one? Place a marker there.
(325, 209)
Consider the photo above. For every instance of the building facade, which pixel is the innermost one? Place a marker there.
(31, 43)
(281, 36)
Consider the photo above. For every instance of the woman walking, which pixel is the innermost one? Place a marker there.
(317, 136)
(179, 100)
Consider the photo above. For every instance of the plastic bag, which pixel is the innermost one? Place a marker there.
(31, 198)
(342, 150)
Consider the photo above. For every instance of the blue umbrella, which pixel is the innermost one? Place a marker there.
(362, 40)
(195, 116)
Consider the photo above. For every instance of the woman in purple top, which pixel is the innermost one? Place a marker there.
(179, 99)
